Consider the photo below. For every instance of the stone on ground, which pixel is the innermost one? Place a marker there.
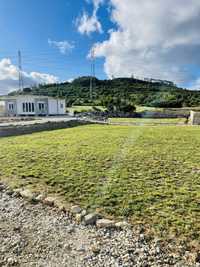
(76, 209)
(27, 194)
(104, 223)
(91, 218)
(122, 225)
(49, 201)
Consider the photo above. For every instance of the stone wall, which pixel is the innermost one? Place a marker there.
(194, 118)
(14, 130)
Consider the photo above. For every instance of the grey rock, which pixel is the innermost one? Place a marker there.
(27, 194)
(105, 223)
(76, 209)
(40, 198)
(122, 225)
(91, 218)
(49, 201)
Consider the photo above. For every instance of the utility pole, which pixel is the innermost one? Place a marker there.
(21, 82)
(92, 77)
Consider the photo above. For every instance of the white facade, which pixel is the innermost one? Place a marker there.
(23, 105)
(194, 118)
(2, 108)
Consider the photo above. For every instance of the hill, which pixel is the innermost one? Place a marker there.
(155, 93)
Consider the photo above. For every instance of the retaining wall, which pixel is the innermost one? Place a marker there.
(13, 130)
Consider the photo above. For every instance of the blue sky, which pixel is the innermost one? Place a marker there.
(27, 25)
(146, 38)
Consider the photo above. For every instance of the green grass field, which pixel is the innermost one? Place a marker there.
(149, 174)
(148, 121)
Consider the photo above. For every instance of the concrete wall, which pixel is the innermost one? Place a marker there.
(22, 100)
(53, 107)
(44, 101)
(13, 130)
(57, 107)
(194, 118)
(62, 107)
(2, 108)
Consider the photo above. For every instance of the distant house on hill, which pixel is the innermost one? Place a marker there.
(32, 105)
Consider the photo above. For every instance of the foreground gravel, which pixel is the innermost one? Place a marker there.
(37, 235)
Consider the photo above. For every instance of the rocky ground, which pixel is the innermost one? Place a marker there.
(38, 235)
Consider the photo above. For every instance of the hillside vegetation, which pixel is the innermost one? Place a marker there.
(139, 92)
(147, 174)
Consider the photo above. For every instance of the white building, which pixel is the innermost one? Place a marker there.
(194, 118)
(32, 105)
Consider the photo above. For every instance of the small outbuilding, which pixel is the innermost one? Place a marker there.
(32, 105)
(194, 118)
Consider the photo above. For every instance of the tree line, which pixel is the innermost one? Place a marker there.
(126, 90)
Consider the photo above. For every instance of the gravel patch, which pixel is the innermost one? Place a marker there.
(38, 235)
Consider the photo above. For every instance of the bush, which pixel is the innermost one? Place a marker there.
(118, 105)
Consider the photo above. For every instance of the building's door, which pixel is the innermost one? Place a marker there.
(11, 108)
(42, 109)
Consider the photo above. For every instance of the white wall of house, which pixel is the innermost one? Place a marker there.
(61, 107)
(34, 105)
(53, 106)
(56, 106)
(23, 100)
(2, 108)
(194, 118)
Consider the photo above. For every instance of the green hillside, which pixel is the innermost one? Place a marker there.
(148, 93)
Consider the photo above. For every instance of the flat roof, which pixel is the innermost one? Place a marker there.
(8, 97)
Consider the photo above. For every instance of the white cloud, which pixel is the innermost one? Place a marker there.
(70, 80)
(9, 77)
(63, 46)
(195, 85)
(88, 24)
(157, 39)
(97, 4)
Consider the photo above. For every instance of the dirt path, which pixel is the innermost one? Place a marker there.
(36, 235)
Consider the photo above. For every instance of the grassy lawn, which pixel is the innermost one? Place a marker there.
(149, 174)
(147, 121)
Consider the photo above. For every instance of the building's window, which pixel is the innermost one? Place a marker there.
(61, 106)
(28, 107)
(11, 106)
(41, 106)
